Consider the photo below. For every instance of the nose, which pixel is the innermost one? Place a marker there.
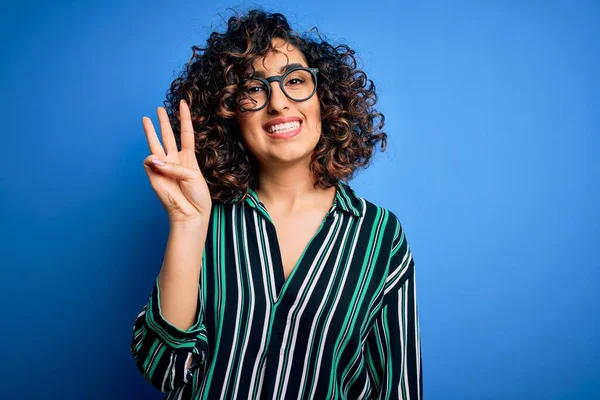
(278, 100)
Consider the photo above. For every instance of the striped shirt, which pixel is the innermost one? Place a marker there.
(343, 325)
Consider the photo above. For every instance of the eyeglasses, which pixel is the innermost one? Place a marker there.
(298, 84)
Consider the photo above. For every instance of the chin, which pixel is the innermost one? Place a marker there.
(290, 153)
(290, 157)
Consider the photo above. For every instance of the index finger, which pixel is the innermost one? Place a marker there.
(187, 129)
(153, 142)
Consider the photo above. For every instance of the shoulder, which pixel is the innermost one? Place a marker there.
(375, 215)
(394, 248)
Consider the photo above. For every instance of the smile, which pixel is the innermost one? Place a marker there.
(284, 131)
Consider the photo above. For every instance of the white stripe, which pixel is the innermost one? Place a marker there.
(141, 313)
(238, 311)
(322, 304)
(156, 350)
(358, 359)
(319, 268)
(252, 300)
(404, 369)
(333, 310)
(217, 268)
(173, 371)
(262, 379)
(181, 388)
(164, 382)
(366, 389)
(268, 308)
(269, 267)
(417, 338)
(185, 369)
(398, 273)
(385, 345)
(370, 263)
(400, 239)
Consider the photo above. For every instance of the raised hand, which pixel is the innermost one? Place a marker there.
(176, 177)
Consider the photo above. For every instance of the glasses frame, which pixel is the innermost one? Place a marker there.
(280, 79)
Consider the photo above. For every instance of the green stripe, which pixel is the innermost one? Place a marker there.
(221, 287)
(323, 249)
(378, 228)
(156, 361)
(343, 261)
(150, 353)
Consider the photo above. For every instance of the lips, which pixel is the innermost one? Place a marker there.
(281, 120)
(285, 134)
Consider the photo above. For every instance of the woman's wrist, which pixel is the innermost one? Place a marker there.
(190, 226)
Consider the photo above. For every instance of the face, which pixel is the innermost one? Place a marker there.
(281, 146)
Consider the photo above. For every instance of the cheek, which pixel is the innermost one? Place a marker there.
(249, 126)
(316, 116)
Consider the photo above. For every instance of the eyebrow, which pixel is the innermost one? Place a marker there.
(282, 70)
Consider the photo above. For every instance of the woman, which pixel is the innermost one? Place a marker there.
(278, 281)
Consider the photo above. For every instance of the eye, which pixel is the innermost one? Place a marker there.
(254, 89)
(295, 81)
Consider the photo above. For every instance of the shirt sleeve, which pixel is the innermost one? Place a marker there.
(161, 350)
(393, 347)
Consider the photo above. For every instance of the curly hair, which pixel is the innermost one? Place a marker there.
(210, 83)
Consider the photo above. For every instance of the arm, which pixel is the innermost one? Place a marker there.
(170, 329)
(393, 346)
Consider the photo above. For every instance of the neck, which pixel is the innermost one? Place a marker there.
(291, 188)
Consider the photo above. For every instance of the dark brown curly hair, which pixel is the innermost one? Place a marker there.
(210, 83)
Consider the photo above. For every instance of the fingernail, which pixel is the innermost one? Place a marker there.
(157, 161)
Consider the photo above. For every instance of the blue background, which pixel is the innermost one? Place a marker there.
(492, 112)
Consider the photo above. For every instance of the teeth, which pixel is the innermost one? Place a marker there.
(281, 128)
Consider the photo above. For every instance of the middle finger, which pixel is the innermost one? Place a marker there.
(167, 133)
(187, 129)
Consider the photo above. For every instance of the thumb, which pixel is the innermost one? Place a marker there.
(171, 169)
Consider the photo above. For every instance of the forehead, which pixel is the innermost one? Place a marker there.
(275, 61)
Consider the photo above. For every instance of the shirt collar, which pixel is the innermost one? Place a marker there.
(345, 200)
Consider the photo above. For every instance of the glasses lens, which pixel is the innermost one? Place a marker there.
(253, 95)
(299, 84)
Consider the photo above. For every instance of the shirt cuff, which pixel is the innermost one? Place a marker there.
(170, 334)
